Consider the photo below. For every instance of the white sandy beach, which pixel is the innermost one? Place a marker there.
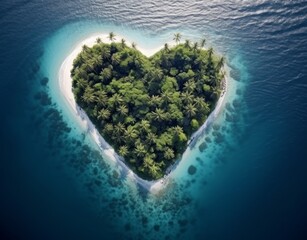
(65, 84)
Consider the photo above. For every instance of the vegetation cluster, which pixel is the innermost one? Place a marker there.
(147, 108)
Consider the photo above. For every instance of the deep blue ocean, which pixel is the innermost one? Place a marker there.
(251, 180)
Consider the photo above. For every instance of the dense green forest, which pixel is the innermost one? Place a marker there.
(147, 108)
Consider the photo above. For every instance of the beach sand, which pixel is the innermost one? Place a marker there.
(65, 84)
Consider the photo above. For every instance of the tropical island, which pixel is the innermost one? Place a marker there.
(147, 108)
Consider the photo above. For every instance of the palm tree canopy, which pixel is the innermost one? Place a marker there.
(109, 128)
(119, 128)
(187, 43)
(189, 86)
(195, 46)
(123, 42)
(104, 114)
(177, 37)
(88, 95)
(187, 97)
(111, 36)
(220, 63)
(169, 153)
(116, 99)
(145, 125)
(101, 98)
(151, 137)
(140, 150)
(202, 42)
(156, 100)
(122, 109)
(190, 109)
(131, 132)
(178, 130)
(123, 151)
(85, 48)
(210, 52)
(158, 114)
(105, 53)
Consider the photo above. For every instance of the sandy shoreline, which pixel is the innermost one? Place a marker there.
(65, 84)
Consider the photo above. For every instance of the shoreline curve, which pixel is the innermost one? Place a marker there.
(65, 85)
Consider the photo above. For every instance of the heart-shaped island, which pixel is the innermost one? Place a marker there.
(147, 108)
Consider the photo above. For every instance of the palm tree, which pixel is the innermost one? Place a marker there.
(89, 66)
(81, 72)
(105, 53)
(101, 98)
(96, 63)
(158, 114)
(106, 74)
(118, 138)
(156, 100)
(187, 43)
(169, 153)
(187, 97)
(123, 110)
(123, 151)
(151, 167)
(190, 110)
(119, 128)
(154, 74)
(140, 150)
(131, 133)
(108, 128)
(166, 96)
(220, 63)
(210, 52)
(178, 130)
(195, 46)
(130, 120)
(133, 45)
(177, 37)
(201, 104)
(166, 47)
(189, 86)
(88, 96)
(138, 61)
(104, 114)
(213, 81)
(148, 162)
(216, 92)
(154, 170)
(85, 48)
(151, 137)
(144, 125)
(98, 40)
(115, 59)
(116, 99)
(111, 36)
(202, 42)
(81, 83)
(123, 43)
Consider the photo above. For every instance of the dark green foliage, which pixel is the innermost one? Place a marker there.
(147, 108)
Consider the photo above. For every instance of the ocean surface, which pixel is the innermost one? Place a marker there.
(250, 180)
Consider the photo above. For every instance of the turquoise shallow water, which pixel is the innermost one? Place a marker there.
(250, 179)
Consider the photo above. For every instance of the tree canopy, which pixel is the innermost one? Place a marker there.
(147, 108)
